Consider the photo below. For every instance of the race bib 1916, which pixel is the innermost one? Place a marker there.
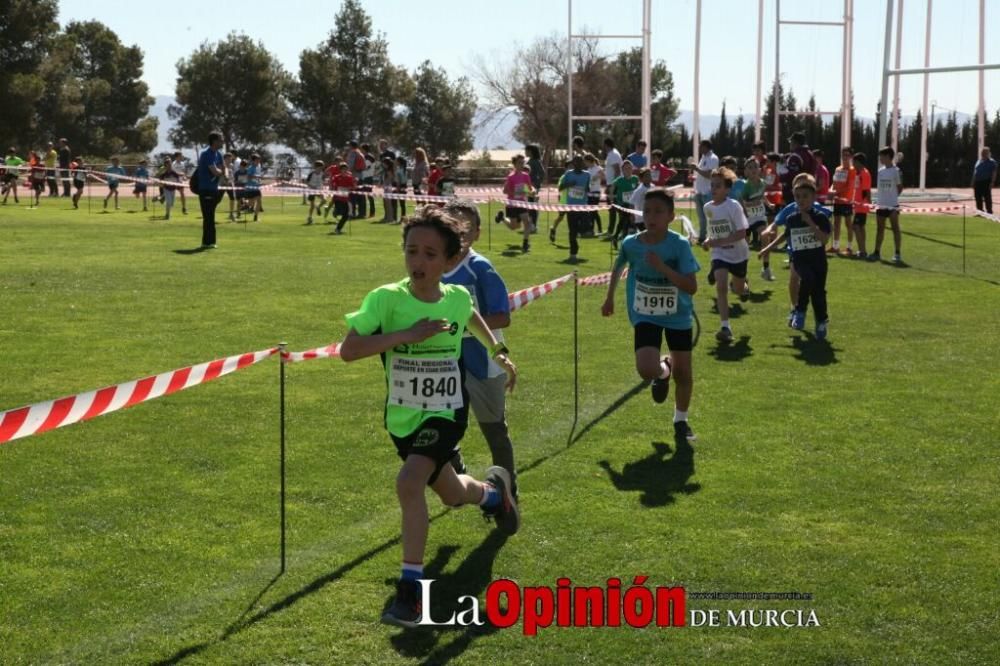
(654, 300)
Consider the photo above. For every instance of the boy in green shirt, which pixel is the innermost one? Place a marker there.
(623, 185)
(416, 325)
(11, 174)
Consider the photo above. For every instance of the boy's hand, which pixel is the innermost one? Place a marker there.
(426, 328)
(654, 260)
(608, 307)
(508, 367)
(706, 244)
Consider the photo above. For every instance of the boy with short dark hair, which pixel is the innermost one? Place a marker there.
(806, 231)
(314, 181)
(727, 240)
(139, 188)
(661, 281)
(113, 171)
(343, 183)
(890, 186)
(417, 326)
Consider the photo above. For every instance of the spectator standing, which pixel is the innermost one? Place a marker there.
(51, 159)
(708, 161)
(65, 157)
(984, 178)
(210, 170)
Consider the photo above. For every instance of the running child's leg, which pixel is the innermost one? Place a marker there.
(879, 232)
(410, 484)
(897, 236)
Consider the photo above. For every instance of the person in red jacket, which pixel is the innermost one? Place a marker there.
(343, 183)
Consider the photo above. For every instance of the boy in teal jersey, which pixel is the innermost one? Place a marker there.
(113, 172)
(416, 325)
(139, 190)
(658, 290)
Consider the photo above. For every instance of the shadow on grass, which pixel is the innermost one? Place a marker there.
(513, 251)
(811, 350)
(961, 275)
(656, 476)
(195, 250)
(471, 578)
(760, 296)
(732, 352)
(611, 409)
(932, 240)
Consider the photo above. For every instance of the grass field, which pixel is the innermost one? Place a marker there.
(864, 471)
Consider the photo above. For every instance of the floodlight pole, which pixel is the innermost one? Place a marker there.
(982, 61)
(777, 71)
(696, 131)
(647, 76)
(883, 111)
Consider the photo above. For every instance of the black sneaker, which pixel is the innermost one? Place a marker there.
(711, 277)
(505, 514)
(498, 218)
(405, 610)
(660, 387)
(725, 334)
(552, 235)
(526, 246)
(682, 431)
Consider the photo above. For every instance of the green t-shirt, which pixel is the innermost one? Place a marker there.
(13, 161)
(423, 379)
(752, 197)
(624, 187)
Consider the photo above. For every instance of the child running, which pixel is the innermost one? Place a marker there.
(113, 171)
(417, 325)
(485, 380)
(890, 186)
(727, 239)
(661, 281)
(140, 185)
(806, 230)
(314, 181)
(517, 188)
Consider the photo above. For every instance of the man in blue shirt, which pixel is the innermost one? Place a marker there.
(576, 183)
(210, 168)
(638, 158)
(984, 177)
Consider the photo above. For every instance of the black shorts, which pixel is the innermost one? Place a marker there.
(313, 197)
(843, 210)
(513, 212)
(10, 178)
(78, 184)
(884, 213)
(140, 188)
(736, 270)
(860, 219)
(650, 335)
(113, 187)
(38, 185)
(757, 225)
(436, 438)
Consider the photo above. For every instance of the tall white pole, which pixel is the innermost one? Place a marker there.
(777, 72)
(847, 118)
(760, 67)
(569, 79)
(883, 115)
(844, 95)
(895, 83)
(647, 100)
(982, 61)
(923, 125)
(696, 134)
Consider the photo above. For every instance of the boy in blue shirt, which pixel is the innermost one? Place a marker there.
(141, 174)
(806, 230)
(661, 281)
(484, 378)
(114, 170)
(576, 184)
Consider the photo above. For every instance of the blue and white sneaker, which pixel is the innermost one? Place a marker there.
(821, 329)
(798, 320)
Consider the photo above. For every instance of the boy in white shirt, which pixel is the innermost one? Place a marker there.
(890, 185)
(727, 239)
(314, 181)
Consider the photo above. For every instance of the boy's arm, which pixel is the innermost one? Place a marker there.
(356, 346)
(686, 282)
(485, 336)
(608, 308)
(777, 241)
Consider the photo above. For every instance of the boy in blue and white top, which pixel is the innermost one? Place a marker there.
(484, 378)
(890, 185)
(661, 281)
(113, 170)
(727, 239)
(141, 172)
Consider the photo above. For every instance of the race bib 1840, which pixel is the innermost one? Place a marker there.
(428, 384)
(654, 300)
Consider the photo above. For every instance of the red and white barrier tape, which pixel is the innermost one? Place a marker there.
(599, 279)
(40, 417)
(329, 351)
(519, 299)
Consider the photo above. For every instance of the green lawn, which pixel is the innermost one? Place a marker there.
(864, 471)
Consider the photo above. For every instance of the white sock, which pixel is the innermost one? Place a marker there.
(664, 370)
(836, 245)
(679, 415)
(725, 323)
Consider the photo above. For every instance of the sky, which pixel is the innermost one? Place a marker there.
(452, 33)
